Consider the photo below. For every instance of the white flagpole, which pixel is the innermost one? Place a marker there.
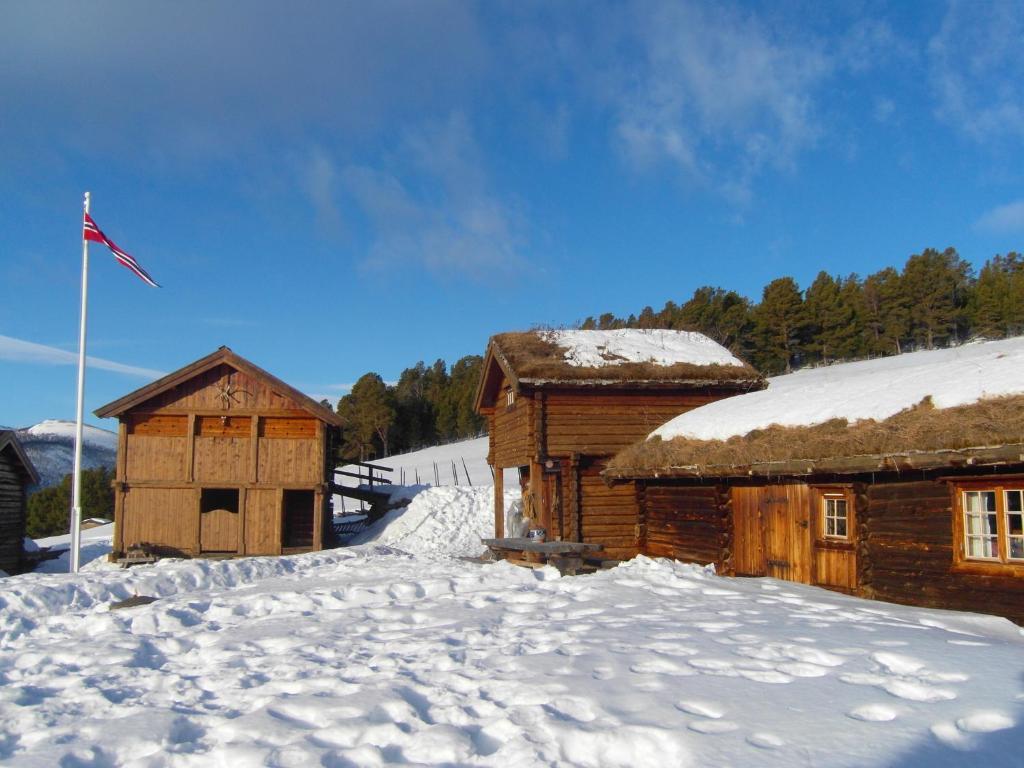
(76, 492)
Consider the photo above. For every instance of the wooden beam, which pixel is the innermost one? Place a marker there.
(254, 449)
(190, 448)
(499, 502)
(242, 514)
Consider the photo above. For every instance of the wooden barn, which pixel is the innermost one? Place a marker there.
(559, 404)
(222, 458)
(16, 473)
(922, 507)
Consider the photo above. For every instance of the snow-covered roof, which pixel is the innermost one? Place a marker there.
(867, 389)
(601, 349)
(625, 358)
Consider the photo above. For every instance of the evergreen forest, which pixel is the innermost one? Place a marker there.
(935, 300)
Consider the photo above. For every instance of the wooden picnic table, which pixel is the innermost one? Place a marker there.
(567, 556)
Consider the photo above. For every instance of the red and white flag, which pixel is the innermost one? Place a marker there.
(93, 233)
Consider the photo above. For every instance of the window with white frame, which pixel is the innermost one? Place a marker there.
(993, 524)
(510, 397)
(836, 516)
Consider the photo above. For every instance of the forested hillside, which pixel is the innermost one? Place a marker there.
(428, 405)
(935, 300)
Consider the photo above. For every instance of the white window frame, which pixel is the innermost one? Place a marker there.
(1001, 537)
(510, 397)
(835, 498)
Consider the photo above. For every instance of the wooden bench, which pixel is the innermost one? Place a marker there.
(566, 556)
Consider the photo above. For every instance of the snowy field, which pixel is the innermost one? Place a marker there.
(867, 389)
(370, 656)
(391, 653)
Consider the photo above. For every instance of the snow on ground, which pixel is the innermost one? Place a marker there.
(366, 656)
(96, 544)
(868, 389)
(417, 467)
(447, 521)
(597, 349)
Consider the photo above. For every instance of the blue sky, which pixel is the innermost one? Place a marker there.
(334, 188)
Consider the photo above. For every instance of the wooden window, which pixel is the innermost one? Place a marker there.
(510, 397)
(991, 523)
(835, 512)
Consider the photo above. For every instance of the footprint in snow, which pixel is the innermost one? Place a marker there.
(873, 713)
(712, 726)
(985, 721)
(701, 709)
(763, 740)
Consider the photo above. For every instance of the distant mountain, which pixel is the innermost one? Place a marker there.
(51, 447)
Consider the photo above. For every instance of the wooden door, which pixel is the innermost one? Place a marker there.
(787, 534)
(218, 520)
(748, 556)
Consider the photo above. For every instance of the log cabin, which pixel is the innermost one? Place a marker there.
(921, 506)
(221, 458)
(559, 404)
(16, 474)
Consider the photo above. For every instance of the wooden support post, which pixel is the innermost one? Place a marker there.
(120, 478)
(254, 450)
(499, 503)
(242, 504)
(190, 448)
(318, 520)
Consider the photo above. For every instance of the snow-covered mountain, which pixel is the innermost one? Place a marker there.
(50, 445)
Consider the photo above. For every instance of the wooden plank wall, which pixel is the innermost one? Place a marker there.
(205, 393)
(164, 516)
(263, 522)
(908, 549)
(12, 513)
(685, 523)
(603, 423)
(609, 516)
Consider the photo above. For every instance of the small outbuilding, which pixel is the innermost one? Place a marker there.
(16, 474)
(559, 404)
(900, 479)
(222, 458)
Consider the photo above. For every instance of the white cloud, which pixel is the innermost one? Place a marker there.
(1004, 219)
(431, 204)
(977, 71)
(319, 178)
(717, 93)
(20, 351)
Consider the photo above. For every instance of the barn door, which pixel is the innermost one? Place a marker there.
(748, 557)
(787, 534)
(218, 520)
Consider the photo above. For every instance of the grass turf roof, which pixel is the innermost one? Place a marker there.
(920, 428)
(533, 358)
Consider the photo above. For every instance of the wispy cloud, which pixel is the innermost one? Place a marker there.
(1004, 219)
(431, 203)
(977, 71)
(20, 351)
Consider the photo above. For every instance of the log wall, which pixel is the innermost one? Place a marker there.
(12, 513)
(685, 523)
(603, 423)
(608, 516)
(908, 546)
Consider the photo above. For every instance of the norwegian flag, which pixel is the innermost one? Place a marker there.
(91, 232)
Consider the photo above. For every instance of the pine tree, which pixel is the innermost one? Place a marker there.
(368, 414)
(48, 510)
(833, 325)
(778, 326)
(719, 314)
(937, 289)
(997, 306)
(886, 313)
